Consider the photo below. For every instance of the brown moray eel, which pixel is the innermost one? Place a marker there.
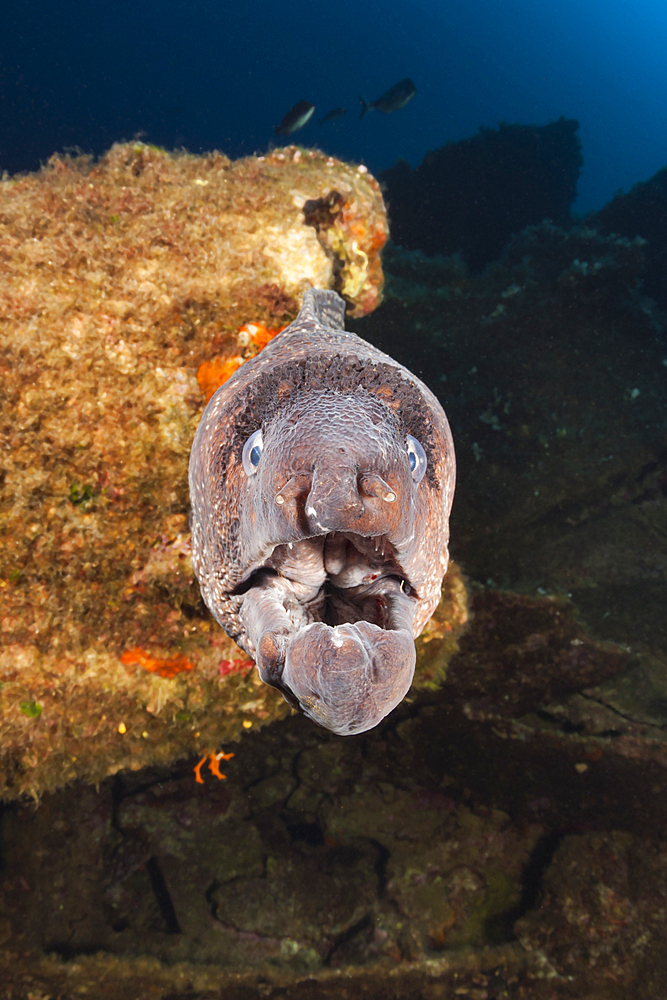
(321, 481)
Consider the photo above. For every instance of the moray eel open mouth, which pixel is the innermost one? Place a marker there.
(331, 621)
(321, 480)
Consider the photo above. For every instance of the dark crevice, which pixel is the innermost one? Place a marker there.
(380, 866)
(132, 785)
(650, 468)
(345, 936)
(117, 796)
(296, 763)
(540, 859)
(624, 715)
(564, 725)
(162, 896)
(216, 907)
(306, 833)
(500, 928)
(208, 896)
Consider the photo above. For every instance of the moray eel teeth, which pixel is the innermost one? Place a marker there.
(321, 481)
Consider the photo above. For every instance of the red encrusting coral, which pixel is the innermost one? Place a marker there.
(215, 372)
(239, 665)
(162, 666)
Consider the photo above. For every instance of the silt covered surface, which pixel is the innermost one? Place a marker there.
(420, 859)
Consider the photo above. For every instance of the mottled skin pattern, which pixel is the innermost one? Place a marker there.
(326, 561)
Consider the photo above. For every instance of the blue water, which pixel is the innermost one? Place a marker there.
(210, 75)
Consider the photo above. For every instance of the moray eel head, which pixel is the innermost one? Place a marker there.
(327, 514)
(321, 481)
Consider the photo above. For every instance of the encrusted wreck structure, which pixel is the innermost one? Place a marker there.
(501, 834)
(122, 281)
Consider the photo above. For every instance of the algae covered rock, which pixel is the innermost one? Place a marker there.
(470, 196)
(121, 280)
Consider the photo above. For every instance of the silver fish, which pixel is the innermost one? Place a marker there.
(296, 118)
(392, 100)
(321, 481)
(332, 115)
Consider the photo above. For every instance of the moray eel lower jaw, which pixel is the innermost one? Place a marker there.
(329, 620)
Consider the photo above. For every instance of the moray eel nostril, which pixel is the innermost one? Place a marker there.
(372, 485)
(293, 488)
(321, 481)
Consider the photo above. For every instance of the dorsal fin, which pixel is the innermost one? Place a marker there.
(323, 307)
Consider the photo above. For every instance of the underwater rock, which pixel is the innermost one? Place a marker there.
(471, 196)
(551, 366)
(410, 851)
(642, 211)
(602, 909)
(120, 279)
(502, 832)
(524, 653)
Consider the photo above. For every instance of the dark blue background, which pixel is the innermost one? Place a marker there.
(210, 75)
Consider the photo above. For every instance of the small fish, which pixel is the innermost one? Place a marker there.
(332, 115)
(296, 118)
(321, 481)
(392, 100)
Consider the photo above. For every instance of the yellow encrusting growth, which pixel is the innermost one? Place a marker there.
(119, 280)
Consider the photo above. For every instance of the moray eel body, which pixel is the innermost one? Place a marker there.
(321, 481)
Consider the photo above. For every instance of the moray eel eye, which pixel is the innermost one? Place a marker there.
(417, 458)
(252, 452)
